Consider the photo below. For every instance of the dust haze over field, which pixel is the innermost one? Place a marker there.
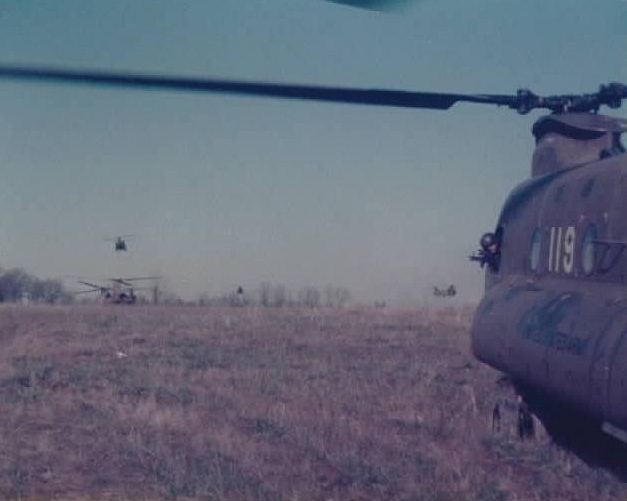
(98, 402)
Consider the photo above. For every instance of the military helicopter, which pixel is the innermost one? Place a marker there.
(119, 242)
(121, 290)
(449, 291)
(554, 313)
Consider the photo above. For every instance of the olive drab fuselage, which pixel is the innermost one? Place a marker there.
(554, 312)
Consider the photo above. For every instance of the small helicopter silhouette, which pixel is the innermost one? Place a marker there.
(121, 291)
(449, 291)
(120, 241)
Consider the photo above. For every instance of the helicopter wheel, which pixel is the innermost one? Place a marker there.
(572, 430)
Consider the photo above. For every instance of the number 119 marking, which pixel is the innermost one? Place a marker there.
(561, 249)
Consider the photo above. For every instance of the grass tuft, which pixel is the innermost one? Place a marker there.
(246, 404)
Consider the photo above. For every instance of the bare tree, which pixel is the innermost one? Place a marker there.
(17, 285)
(204, 299)
(48, 291)
(309, 297)
(336, 297)
(279, 295)
(14, 285)
(265, 290)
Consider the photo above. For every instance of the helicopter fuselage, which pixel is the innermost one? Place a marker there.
(554, 312)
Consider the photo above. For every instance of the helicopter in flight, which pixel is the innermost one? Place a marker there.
(120, 242)
(553, 317)
(119, 291)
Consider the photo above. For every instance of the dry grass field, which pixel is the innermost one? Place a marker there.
(147, 403)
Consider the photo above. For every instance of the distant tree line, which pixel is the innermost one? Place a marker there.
(16, 285)
(278, 296)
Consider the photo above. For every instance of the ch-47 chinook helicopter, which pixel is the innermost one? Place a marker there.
(554, 312)
(120, 242)
(449, 291)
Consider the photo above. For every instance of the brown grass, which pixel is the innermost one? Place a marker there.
(102, 402)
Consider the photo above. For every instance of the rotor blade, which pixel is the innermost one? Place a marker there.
(372, 4)
(95, 286)
(113, 239)
(377, 97)
(128, 281)
(133, 279)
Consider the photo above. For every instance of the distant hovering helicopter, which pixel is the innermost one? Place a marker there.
(121, 290)
(554, 312)
(120, 241)
(449, 291)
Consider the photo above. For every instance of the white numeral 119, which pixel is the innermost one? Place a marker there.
(561, 249)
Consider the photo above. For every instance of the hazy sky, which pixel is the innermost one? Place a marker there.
(223, 191)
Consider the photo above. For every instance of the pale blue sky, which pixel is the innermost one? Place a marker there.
(223, 191)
